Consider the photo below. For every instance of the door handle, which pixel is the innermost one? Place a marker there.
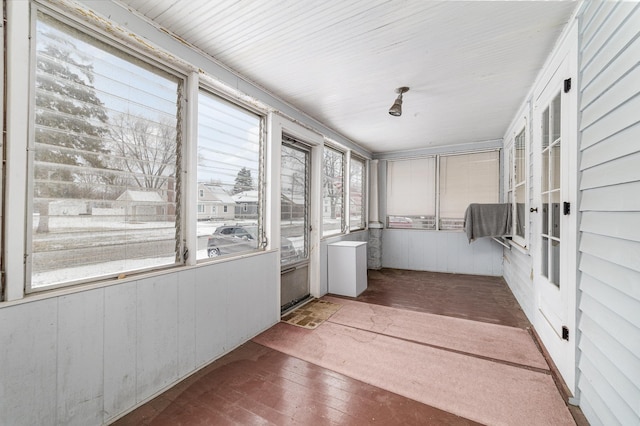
(531, 210)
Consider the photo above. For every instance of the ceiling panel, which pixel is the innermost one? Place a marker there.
(469, 65)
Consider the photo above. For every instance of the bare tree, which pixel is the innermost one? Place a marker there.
(145, 149)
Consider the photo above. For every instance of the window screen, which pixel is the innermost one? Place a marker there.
(104, 172)
(229, 177)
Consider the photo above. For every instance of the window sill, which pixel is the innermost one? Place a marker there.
(78, 288)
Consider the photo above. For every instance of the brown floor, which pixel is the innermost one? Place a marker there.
(257, 385)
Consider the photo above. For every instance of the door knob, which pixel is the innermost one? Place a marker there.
(533, 210)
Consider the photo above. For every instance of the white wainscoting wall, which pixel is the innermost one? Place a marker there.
(88, 357)
(440, 251)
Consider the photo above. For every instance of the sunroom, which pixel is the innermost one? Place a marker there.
(179, 175)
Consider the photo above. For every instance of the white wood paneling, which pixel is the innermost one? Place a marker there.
(186, 321)
(88, 357)
(519, 276)
(210, 326)
(120, 337)
(157, 334)
(80, 358)
(28, 367)
(440, 252)
(609, 339)
(345, 59)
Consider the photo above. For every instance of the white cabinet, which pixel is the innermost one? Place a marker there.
(347, 263)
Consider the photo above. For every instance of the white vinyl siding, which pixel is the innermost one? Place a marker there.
(609, 342)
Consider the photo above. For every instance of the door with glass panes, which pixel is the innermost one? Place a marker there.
(554, 222)
(294, 222)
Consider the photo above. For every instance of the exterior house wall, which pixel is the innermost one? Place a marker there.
(609, 244)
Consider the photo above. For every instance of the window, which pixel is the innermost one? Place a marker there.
(519, 190)
(466, 179)
(357, 191)
(104, 172)
(229, 152)
(411, 193)
(332, 192)
(463, 179)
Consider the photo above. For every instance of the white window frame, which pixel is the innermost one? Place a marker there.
(92, 32)
(261, 174)
(363, 225)
(344, 208)
(520, 126)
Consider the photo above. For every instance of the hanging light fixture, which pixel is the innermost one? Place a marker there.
(396, 108)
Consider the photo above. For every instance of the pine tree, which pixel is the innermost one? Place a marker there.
(70, 121)
(244, 181)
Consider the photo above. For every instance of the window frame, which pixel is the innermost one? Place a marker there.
(520, 128)
(363, 189)
(153, 63)
(261, 209)
(343, 208)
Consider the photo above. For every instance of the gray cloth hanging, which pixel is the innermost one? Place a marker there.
(487, 220)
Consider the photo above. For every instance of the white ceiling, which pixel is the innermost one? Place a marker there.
(469, 64)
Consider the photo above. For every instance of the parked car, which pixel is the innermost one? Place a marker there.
(231, 239)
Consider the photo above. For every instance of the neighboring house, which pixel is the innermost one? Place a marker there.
(290, 209)
(214, 203)
(142, 205)
(246, 204)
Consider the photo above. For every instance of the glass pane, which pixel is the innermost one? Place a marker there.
(105, 172)
(332, 192)
(228, 178)
(555, 214)
(511, 169)
(294, 177)
(545, 214)
(544, 262)
(419, 222)
(520, 158)
(520, 212)
(356, 194)
(557, 117)
(545, 170)
(545, 128)
(554, 270)
(466, 179)
(554, 166)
